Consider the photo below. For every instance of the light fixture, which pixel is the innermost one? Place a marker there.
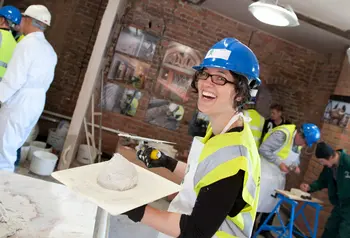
(272, 14)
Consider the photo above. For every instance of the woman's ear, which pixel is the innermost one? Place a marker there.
(238, 98)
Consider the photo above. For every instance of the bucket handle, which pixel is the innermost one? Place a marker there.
(64, 155)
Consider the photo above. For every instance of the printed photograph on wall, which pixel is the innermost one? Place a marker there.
(121, 100)
(138, 43)
(128, 70)
(164, 113)
(175, 76)
(198, 125)
(337, 111)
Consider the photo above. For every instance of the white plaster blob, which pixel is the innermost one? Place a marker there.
(118, 174)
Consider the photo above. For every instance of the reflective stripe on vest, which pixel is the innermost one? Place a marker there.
(236, 151)
(7, 46)
(289, 131)
(3, 64)
(256, 124)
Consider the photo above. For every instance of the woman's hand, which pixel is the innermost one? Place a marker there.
(152, 157)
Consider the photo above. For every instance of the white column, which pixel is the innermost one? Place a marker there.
(115, 9)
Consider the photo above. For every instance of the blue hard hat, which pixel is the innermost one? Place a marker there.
(11, 13)
(231, 54)
(311, 133)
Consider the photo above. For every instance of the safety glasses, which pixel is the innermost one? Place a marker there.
(216, 79)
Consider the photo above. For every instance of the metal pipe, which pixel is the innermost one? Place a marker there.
(101, 228)
(69, 118)
(49, 119)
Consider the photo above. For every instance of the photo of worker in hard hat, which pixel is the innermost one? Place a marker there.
(176, 74)
(164, 113)
(118, 99)
(128, 70)
(130, 102)
(138, 43)
(337, 113)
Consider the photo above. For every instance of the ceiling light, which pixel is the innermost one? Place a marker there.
(272, 14)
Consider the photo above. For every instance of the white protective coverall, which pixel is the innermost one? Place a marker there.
(23, 93)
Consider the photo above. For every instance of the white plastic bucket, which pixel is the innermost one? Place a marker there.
(37, 145)
(84, 154)
(55, 140)
(43, 163)
(24, 151)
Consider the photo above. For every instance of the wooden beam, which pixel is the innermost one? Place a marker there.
(113, 13)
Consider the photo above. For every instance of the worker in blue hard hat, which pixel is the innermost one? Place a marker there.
(335, 177)
(220, 190)
(280, 152)
(10, 18)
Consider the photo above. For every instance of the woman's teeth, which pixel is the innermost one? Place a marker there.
(208, 95)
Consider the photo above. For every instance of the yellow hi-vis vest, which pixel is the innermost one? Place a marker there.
(133, 107)
(20, 38)
(256, 124)
(289, 131)
(222, 157)
(7, 46)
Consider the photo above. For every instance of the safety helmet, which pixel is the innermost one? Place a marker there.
(38, 12)
(231, 54)
(138, 95)
(11, 14)
(311, 133)
(173, 107)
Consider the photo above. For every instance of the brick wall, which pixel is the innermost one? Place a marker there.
(73, 32)
(336, 137)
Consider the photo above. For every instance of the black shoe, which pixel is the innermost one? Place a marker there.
(266, 234)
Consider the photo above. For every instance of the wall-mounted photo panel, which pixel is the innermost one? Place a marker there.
(337, 111)
(138, 43)
(176, 74)
(121, 100)
(128, 70)
(164, 113)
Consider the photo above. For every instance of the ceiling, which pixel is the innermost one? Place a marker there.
(324, 24)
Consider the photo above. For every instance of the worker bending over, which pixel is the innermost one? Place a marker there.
(279, 153)
(24, 85)
(335, 177)
(219, 195)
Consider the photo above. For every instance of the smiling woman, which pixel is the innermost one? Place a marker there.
(221, 179)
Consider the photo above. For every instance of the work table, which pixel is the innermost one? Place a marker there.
(48, 210)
